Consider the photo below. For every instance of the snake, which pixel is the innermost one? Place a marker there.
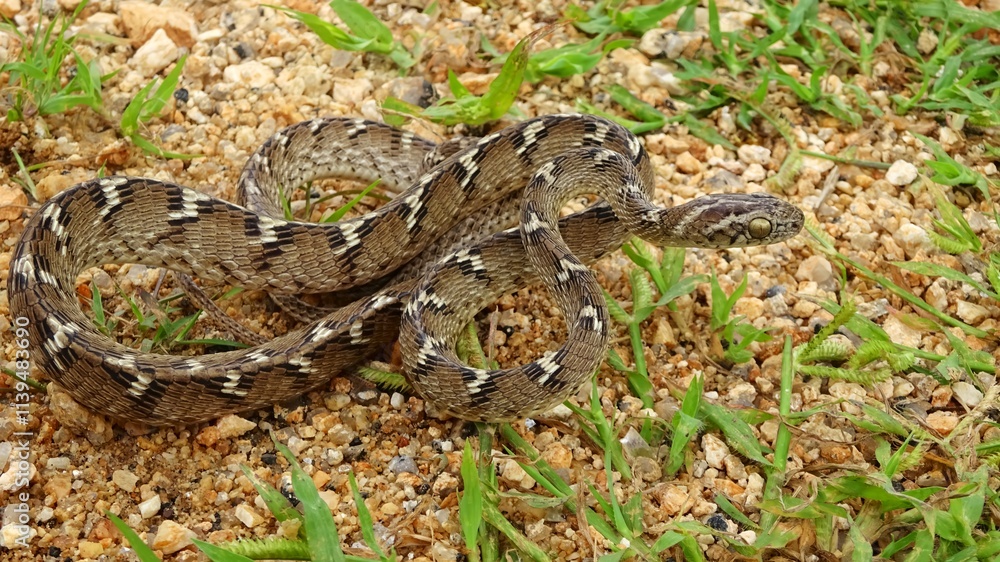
(482, 220)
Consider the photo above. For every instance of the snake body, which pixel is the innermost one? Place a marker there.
(433, 229)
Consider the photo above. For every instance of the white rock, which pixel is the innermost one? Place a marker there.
(150, 507)
(155, 54)
(971, 313)
(469, 13)
(252, 74)
(45, 514)
(936, 296)
(948, 137)
(53, 463)
(927, 41)
(124, 480)
(234, 426)
(753, 154)
(351, 92)
(902, 388)
(899, 333)
(901, 173)
(17, 536)
(967, 394)
(754, 173)
(912, 239)
(815, 268)
(17, 475)
(397, 400)
(248, 515)
(171, 537)
(715, 450)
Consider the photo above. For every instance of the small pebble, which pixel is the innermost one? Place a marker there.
(971, 313)
(715, 450)
(149, 507)
(403, 464)
(252, 74)
(942, 422)
(688, 164)
(967, 394)
(753, 154)
(171, 537)
(248, 516)
(901, 173)
(124, 480)
(234, 426)
(156, 54)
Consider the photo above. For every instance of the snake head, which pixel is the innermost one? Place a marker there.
(732, 220)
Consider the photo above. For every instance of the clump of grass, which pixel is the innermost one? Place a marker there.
(147, 105)
(158, 331)
(565, 61)
(367, 32)
(35, 79)
(736, 335)
(463, 107)
(666, 277)
(607, 16)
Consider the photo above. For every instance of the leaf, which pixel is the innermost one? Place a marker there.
(320, 529)
(470, 504)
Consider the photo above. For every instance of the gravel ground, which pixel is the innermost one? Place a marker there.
(252, 71)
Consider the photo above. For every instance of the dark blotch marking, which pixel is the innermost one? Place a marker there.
(486, 390)
(466, 267)
(461, 173)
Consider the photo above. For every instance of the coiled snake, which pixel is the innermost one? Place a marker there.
(134, 220)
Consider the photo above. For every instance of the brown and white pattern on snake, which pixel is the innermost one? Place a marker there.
(116, 220)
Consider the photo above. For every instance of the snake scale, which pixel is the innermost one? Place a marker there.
(454, 221)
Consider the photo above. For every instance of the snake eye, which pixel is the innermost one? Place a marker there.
(759, 228)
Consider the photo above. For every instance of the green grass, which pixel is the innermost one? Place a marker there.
(608, 16)
(367, 32)
(155, 322)
(463, 106)
(35, 83)
(147, 105)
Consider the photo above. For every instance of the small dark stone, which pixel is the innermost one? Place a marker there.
(269, 458)
(243, 50)
(355, 453)
(55, 551)
(775, 291)
(718, 522)
(181, 95)
(422, 488)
